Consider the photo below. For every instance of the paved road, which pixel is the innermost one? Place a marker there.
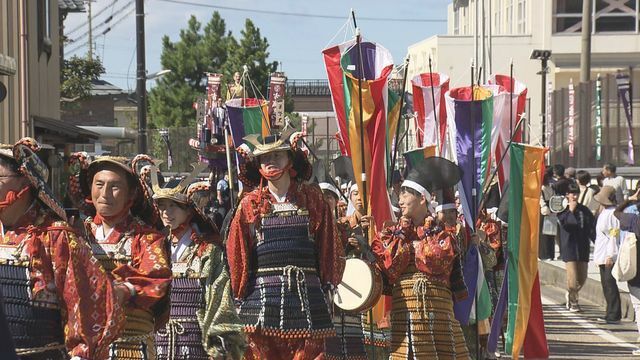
(579, 336)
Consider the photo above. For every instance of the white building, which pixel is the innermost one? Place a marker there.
(519, 26)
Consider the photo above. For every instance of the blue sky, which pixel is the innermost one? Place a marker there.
(294, 41)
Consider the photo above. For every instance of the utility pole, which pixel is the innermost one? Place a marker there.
(141, 76)
(90, 53)
(584, 138)
(585, 55)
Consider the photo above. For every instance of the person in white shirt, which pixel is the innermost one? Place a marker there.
(615, 181)
(606, 251)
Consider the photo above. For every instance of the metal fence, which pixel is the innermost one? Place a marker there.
(614, 125)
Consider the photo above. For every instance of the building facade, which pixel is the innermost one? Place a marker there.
(514, 28)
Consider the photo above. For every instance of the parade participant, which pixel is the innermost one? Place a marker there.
(418, 256)
(284, 252)
(58, 300)
(132, 251)
(348, 344)
(236, 90)
(203, 322)
(447, 213)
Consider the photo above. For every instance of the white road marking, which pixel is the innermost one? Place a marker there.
(606, 335)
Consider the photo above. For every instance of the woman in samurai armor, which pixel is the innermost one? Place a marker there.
(348, 344)
(58, 300)
(284, 253)
(120, 229)
(419, 258)
(203, 323)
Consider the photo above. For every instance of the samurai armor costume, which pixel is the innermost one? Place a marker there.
(45, 269)
(282, 257)
(201, 303)
(348, 344)
(420, 262)
(58, 301)
(135, 253)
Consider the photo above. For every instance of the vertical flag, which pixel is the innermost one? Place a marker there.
(393, 116)
(506, 99)
(470, 124)
(572, 111)
(343, 71)
(598, 118)
(252, 118)
(550, 125)
(276, 99)
(624, 92)
(525, 324)
(427, 131)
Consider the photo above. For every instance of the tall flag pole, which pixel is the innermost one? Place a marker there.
(398, 121)
(435, 110)
(598, 118)
(511, 98)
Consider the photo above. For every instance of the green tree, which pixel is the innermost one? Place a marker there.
(198, 51)
(252, 51)
(172, 98)
(76, 76)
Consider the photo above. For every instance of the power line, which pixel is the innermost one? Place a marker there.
(282, 13)
(104, 32)
(104, 23)
(79, 27)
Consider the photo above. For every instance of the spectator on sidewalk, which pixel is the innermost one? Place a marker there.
(570, 173)
(615, 181)
(577, 229)
(587, 191)
(606, 251)
(546, 249)
(628, 215)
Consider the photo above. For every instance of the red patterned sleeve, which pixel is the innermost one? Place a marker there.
(92, 315)
(328, 241)
(238, 250)
(392, 252)
(149, 272)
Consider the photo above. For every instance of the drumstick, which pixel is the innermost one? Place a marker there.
(351, 289)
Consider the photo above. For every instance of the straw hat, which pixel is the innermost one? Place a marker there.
(606, 196)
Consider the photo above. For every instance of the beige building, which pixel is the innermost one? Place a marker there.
(519, 26)
(30, 71)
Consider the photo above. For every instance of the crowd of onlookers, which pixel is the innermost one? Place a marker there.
(580, 213)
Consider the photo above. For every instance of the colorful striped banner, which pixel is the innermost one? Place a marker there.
(471, 139)
(525, 324)
(248, 117)
(428, 132)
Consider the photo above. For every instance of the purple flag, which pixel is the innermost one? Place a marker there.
(472, 122)
(462, 309)
(498, 316)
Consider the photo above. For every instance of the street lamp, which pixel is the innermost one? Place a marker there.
(543, 56)
(141, 92)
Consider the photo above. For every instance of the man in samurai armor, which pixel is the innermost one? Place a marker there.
(203, 322)
(284, 251)
(134, 253)
(58, 300)
(419, 257)
(348, 344)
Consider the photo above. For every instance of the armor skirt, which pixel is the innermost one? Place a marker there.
(423, 325)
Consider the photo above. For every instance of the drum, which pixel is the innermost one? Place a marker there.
(360, 287)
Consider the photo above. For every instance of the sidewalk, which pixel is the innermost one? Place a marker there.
(552, 272)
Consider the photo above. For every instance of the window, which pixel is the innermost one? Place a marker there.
(456, 22)
(522, 16)
(497, 17)
(509, 21)
(44, 26)
(608, 16)
(615, 16)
